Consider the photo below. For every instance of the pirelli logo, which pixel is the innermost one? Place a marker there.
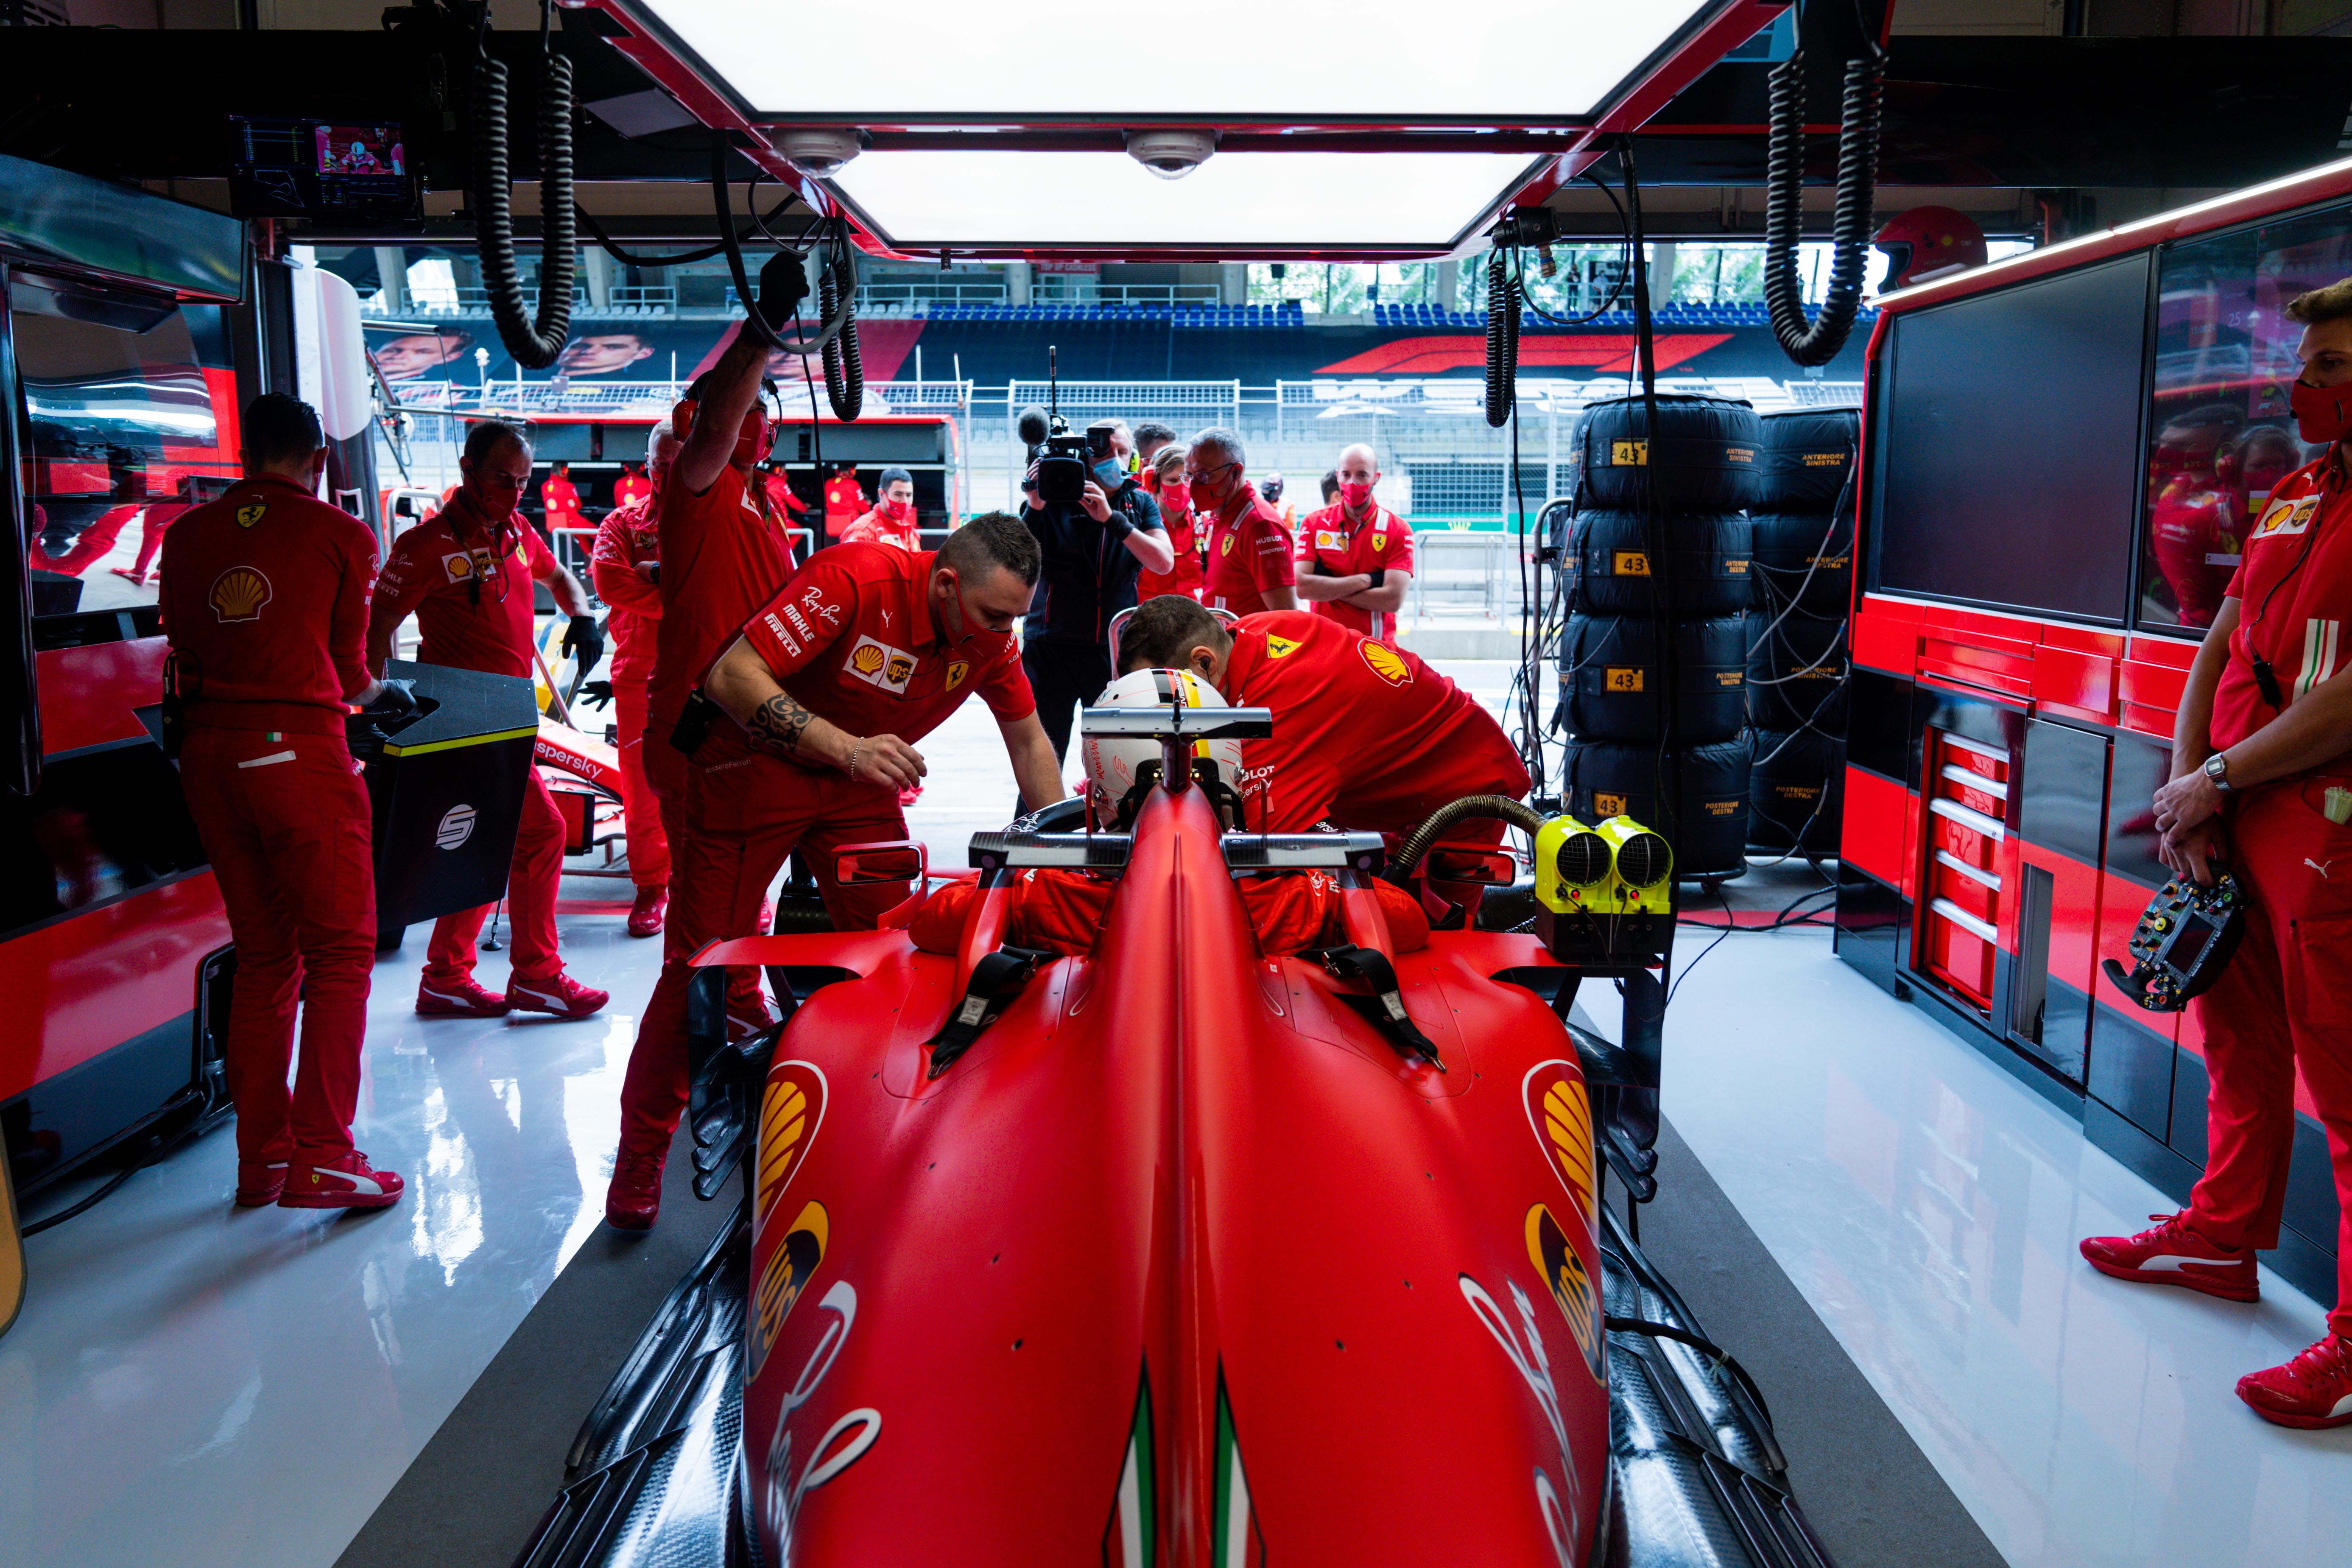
(1629, 563)
(1618, 678)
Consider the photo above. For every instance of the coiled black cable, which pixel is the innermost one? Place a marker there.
(1818, 341)
(845, 372)
(728, 242)
(534, 342)
(1502, 340)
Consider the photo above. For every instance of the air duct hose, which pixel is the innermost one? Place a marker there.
(845, 372)
(534, 344)
(1857, 178)
(1451, 812)
(1502, 340)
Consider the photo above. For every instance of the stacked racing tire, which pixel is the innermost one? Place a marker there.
(1653, 660)
(1798, 662)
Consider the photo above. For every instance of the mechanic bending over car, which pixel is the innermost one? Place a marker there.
(264, 597)
(1365, 736)
(802, 737)
(466, 573)
(2261, 778)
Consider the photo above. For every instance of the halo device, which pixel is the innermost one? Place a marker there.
(2184, 937)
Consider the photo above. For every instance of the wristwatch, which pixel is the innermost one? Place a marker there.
(2217, 768)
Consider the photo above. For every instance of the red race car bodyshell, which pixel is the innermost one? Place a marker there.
(1181, 1262)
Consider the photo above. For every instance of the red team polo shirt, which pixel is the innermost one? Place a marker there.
(627, 541)
(721, 559)
(243, 580)
(1383, 540)
(878, 527)
(1246, 556)
(844, 502)
(853, 638)
(1364, 734)
(2293, 616)
(469, 584)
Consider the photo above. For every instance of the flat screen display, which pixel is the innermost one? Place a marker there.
(2007, 433)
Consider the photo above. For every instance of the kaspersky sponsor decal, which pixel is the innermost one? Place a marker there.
(1555, 1257)
(1559, 1112)
(790, 1116)
(1131, 1538)
(777, 1499)
(796, 1259)
(1560, 1504)
(879, 664)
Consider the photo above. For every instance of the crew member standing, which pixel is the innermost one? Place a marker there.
(626, 567)
(1164, 480)
(1248, 567)
(1365, 734)
(1355, 557)
(892, 520)
(264, 594)
(632, 485)
(845, 501)
(865, 651)
(467, 574)
(559, 498)
(2262, 774)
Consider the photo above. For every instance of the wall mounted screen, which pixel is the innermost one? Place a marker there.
(2007, 453)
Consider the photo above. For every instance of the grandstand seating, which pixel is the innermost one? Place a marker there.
(1682, 315)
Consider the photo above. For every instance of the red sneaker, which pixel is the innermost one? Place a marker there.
(2312, 1390)
(347, 1183)
(909, 795)
(2172, 1253)
(259, 1182)
(633, 1199)
(463, 1000)
(646, 915)
(564, 997)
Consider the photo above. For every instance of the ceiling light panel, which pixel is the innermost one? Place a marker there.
(951, 61)
(1041, 201)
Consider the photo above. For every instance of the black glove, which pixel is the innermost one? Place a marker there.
(584, 640)
(396, 700)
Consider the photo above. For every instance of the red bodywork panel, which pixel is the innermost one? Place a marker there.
(92, 980)
(1179, 1248)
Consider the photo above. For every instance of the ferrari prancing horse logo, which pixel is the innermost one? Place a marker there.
(251, 513)
(1280, 647)
(956, 672)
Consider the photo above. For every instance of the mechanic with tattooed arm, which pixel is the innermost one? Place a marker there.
(818, 705)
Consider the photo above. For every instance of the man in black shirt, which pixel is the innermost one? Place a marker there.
(1093, 553)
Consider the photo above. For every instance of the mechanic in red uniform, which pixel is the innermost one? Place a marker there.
(633, 486)
(264, 595)
(626, 568)
(845, 501)
(892, 520)
(1365, 736)
(1355, 558)
(467, 574)
(1249, 567)
(2191, 510)
(865, 651)
(1163, 480)
(783, 503)
(2262, 765)
(561, 500)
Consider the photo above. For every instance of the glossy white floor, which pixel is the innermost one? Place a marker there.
(1929, 1205)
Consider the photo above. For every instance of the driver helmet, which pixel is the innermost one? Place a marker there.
(1928, 242)
(1112, 760)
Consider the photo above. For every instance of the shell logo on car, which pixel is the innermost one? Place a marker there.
(239, 592)
(790, 1116)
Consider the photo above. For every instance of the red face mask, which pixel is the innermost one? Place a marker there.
(898, 511)
(2323, 414)
(1356, 497)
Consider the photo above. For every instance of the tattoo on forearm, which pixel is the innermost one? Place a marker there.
(778, 724)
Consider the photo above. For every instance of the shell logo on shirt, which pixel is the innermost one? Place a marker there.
(879, 664)
(1325, 539)
(239, 595)
(2288, 516)
(1386, 662)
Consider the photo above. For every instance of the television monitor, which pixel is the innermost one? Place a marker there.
(2006, 448)
(318, 168)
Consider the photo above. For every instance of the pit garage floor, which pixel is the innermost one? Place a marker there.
(1873, 1216)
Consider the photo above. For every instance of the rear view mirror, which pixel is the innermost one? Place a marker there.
(893, 860)
(1490, 868)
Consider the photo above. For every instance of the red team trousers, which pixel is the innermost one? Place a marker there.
(2284, 1001)
(285, 820)
(640, 808)
(531, 882)
(740, 820)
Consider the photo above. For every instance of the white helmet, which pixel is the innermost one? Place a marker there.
(1112, 762)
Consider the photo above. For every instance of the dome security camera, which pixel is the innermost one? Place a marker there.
(820, 153)
(1172, 155)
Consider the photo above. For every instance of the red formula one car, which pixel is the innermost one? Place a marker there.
(1166, 1253)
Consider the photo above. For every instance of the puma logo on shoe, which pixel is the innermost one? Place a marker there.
(2168, 1263)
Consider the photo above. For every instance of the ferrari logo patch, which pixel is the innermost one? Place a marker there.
(879, 664)
(956, 672)
(1226, 547)
(238, 594)
(1386, 662)
(251, 513)
(1280, 647)
(1379, 541)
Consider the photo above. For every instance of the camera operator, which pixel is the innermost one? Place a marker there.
(1095, 544)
